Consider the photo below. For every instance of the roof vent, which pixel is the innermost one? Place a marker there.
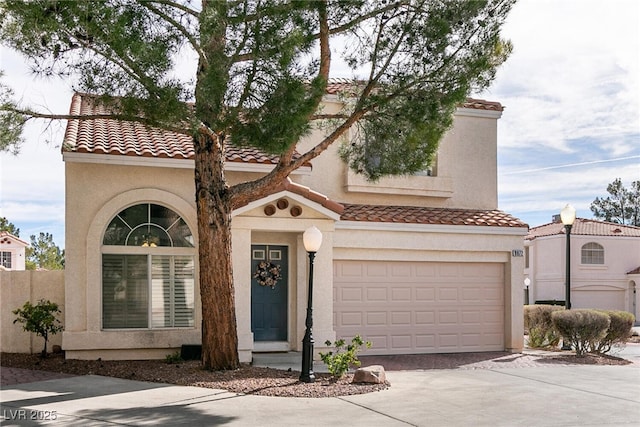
(617, 230)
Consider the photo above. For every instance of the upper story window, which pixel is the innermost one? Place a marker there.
(148, 270)
(592, 253)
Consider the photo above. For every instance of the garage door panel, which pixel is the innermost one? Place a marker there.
(377, 294)
(425, 317)
(350, 294)
(401, 318)
(401, 294)
(348, 319)
(425, 295)
(375, 318)
(448, 294)
(421, 307)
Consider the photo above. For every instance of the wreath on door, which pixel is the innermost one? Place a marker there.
(268, 274)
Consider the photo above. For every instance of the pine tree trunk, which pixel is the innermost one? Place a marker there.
(219, 332)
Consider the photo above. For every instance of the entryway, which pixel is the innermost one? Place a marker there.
(269, 294)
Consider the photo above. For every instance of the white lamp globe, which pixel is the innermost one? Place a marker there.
(568, 215)
(312, 239)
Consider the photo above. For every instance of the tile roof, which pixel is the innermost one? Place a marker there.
(337, 85)
(123, 138)
(6, 237)
(426, 215)
(116, 137)
(585, 227)
(308, 193)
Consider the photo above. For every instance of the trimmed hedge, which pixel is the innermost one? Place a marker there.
(539, 326)
(618, 333)
(581, 328)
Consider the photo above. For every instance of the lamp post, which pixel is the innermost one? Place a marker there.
(567, 216)
(312, 239)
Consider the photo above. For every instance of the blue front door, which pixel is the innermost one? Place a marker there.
(269, 298)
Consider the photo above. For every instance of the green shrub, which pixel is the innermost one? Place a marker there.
(581, 328)
(618, 333)
(173, 358)
(338, 363)
(40, 319)
(539, 326)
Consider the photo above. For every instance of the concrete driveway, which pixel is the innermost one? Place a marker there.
(541, 396)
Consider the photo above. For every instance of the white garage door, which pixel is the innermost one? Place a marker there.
(602, 299)
(420, 307)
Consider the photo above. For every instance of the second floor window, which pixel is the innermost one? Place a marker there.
(592, 253)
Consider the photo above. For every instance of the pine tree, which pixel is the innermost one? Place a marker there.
(261, 74)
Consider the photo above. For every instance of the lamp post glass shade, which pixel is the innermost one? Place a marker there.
(568, 215)
(312, 239)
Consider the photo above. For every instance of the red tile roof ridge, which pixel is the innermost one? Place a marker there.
(336, 85)
(429, 215)
(310, 194)
(585, 227)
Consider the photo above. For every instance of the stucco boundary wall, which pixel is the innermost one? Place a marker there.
(18, 287)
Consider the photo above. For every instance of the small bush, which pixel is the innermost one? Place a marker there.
(173, 358)
(581, 328)
(618, 333)
(539, 326)
(40, 319)
(338, 363)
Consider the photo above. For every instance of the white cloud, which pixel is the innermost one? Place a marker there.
(574, 74)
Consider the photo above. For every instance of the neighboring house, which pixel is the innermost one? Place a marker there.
(419, 264)
(604, 264)
(12, 252)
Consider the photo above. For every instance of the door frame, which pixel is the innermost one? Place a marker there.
(276, 346)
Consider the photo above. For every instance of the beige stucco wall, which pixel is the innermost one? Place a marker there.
(466, 170)
(95, 193)
(606, 286)
(18, 287)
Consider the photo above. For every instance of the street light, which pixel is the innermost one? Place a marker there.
(312, 239)
(567, 216)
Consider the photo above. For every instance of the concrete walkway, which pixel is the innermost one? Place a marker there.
(542, 396)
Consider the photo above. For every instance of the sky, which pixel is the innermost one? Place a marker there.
(571, 124)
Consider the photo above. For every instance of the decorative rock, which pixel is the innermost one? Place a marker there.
(56, 349)
(373, 374)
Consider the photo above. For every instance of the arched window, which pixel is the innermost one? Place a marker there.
(148, 270)
(592, 253)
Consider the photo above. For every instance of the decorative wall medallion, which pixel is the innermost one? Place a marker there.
(295, 211)
(282, 204)
(269, 210)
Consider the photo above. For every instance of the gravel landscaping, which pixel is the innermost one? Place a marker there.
(274, 382)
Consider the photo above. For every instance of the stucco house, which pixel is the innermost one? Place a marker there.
(418, 264)
(12, 252)
(604, 264)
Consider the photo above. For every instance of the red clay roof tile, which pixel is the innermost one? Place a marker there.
(585, 227)
(426, 215)
(116, 137)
